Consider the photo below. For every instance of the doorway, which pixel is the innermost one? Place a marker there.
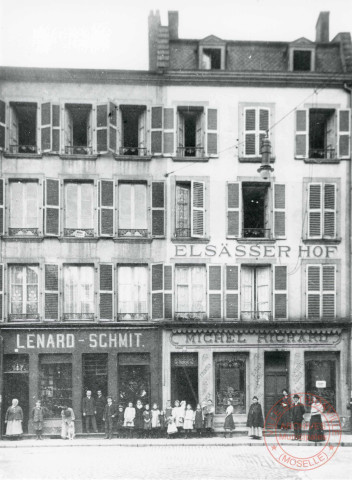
(276, 377)
(184, 378)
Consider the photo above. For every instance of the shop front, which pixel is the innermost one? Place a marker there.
(59, 366)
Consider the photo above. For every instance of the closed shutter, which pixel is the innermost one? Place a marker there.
(329, 210)
(263, 310)
(169, 131)
(313, 291)
(2, 125)
(314, 210)
(215, 291)
(158, 209)
(212, 131)
(279, 211)
(168, 299)
(51, 280)
(250, 132)
(106, 191)
(51, 207)
(106, 291)
(329, 291)
(301, 143)
(280, 291)
(231, 292)
(46, 125)
(112, 115)
(233, 209)
(157, 131)
(198, 209)
(56, 129)
(1, 292)
(344, 134)
(157, 283)
(2, 206)
(102, 128)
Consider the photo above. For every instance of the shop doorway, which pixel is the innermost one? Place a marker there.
(95, 373)
(184, 377)
(16, 385)
(276, 377)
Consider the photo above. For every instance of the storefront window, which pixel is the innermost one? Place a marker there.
(321, 381)
(55, 386)
(184, 377)
(230, 382)
(134, 378)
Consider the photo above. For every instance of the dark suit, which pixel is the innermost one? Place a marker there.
(88, 410)
(297, 412)
(100, 403)
(109, 416)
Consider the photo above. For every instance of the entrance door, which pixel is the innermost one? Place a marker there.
(16, 386)
(184, 378)
(276, 377)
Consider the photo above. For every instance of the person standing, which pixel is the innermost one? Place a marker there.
(100, 404)
(120, 416)
(89, 412)
(189, 420)
(316, 432)
(38, 419)
(297, 412)
(147, 418)
(155, 420)
(209, 411)
(129, 416)
(255, 420)
(108, 418)
(284, 411)
(198, 420)
(13, 420)
(138, 421)
(229, 424)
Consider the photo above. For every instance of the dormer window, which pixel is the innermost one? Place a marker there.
(212, 53)
(211, 59)
(302, 60)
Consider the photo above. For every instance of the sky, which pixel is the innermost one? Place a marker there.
(113, 34)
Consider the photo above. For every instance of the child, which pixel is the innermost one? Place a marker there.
(171, 426)
(181, 417)
(209, 411)
(255, 421)
(189, 420)
(229, 423)
(155, 420)
(68, 423)
(198, 420)
(129, 416)
(167, 414)
(120, 422)
(38, 418)
(147, 418)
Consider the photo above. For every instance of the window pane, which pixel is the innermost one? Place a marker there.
(23, 205)
(230, 375)
(71, 205)
(86, 212)
(125, 205)
(31, 205)
(133, 289)
(183, 208)
(23, 290)
(140, 206)
(79, 289)
(190, 289)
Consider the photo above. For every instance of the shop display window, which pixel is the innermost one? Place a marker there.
(55, 385)
(230, 382)
(95, 372)
(134, 378)
(321, 381)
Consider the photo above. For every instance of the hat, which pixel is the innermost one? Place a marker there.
(296, 396)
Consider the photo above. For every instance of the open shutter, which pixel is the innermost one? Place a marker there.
(314, 210)
(263, 119)
(168, 301)
(157, 282)
(2, 206)
(102, 128)
(280, 291)
(2, 125)
(329, 291)
(344, 134)
(169, 131)
(214, 291)
(68, 131)
(112, 115)
(263, 293)
(212, 131)
(51, 207)
(157, 131)
(247, 293)
(141, 133)
(279, 211)
(313, 291)
(180, 150)
(200, 135)
(250, 132)
(158, 209)
(51, 298)
(46, 125)
(233, 209)
(106, 208)
(301, 143)
(106, 291)
(13, 131)
(329, 210)
(231, 292)
(56, 128)
(1, 292)
(198, 209)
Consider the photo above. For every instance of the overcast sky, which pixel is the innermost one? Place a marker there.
(114, 33)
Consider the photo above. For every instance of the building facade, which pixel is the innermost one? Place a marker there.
(142, 251)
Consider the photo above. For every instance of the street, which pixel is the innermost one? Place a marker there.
(159, 462)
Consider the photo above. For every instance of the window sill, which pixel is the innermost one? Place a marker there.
(78, 157)
(324, 241)
(331, 161)
(254, 159)
(191, 159)
(23, 238)
(23, 155)
(138, 158)
(190, 240)
(133, 239)
(78, 239)
(254, 240)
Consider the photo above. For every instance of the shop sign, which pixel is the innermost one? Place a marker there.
(320, 384)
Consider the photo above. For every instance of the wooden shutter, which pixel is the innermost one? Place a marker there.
(215, 291)
(198, 209)
(106, 213)
(106, 291)
(328, 291)
(46, 126)
(263, 127)
(313, 291)
(168, 300)
(233, 209)
(56, 128)
(344, 134)
(157, 282)
(231, 292)
(157, 131)
(51, 207)
(142, 133)
(169, 131)
(314, 210)
(102, 128)
(51, 295)
(329, 210)
(250, 115)
(280, 291)
(279, 202)
(212, 131)
(2, 206)
(302, 128)
(263, 293)
(2, 274)
(13, 130)
(247, 292)
(112, 116)
(2, 125)
(158, 209)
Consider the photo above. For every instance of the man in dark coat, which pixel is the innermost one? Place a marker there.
(100, 403)
(108, 417)
(89, 411)
(297, 412)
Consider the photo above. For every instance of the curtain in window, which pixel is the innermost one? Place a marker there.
(24, 290)
(79, 289)
(79, 205)
(24, 204)
(133, 206)
(183, 209)
(133, 289)
(190, 289)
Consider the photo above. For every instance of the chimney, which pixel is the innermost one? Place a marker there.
(322, 28)
(153, 31)
(173, 24)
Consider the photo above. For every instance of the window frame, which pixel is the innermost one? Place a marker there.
(257, 106)
(143, 315)
(79, 181)
(35, 316)
(30, 178)
(134, 181)
(306, 48)
(91, 315)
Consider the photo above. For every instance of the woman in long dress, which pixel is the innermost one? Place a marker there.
(316, 432)
(229, 423)
(284, 411)
(255, 420)
(13, 420)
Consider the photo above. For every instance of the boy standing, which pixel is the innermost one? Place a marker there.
(297, 412)
(38, 418)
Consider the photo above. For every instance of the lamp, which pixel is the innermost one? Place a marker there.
(265, 168)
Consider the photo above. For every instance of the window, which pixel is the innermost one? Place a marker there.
(230, 382)
(321, 367)
(321, 291)
(302, 60)
(24, 208)
(79, 292)
(95, 372)
(255, 293)
(211, 54)
(256, 127)
(190, 209)
(134, 378)
(133, 141)
(132, 292)
(133, 210)
(190, 132)
(23, 127)
(255, 210)
(55, 384)
(322, 210)
(211, 58)
(24, 290)
(79, 211)
(78, 129)
(190, 291)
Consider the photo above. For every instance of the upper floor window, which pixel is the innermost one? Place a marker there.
(322, 210)
(79, 292)
(133, 220)
(211, 58)
(78, 129)
(255, 292)
(190, 209)
(23, 127)
(211, 53)
(24, 292)
(190, 291)
(24, 208)
(302, 60)
(190, 131)
(79, 209)
(321, 291)
(133, 123)
(254, 125)
(132, 292)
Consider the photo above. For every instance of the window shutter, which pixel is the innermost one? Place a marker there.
(46, 125)
(106, 202)
(314, 210)
(2, 273)
(142, 119)
(102, 128)
(301, 150)
(51, 281)
(264, 116)
(250, 132)
(313, 291)
(112, 115)
(329, 291)
(168, 300)
(330, 210)
(232, 292)
(280, 291)
(157, 131)
(56, 129)
(212, 131)
(158, 209)
(106, 291)
(51, 207)
(2, 125)
(198, 209)
(169, 131)
(344, 133)
(2, 206)
(214, 291)
(279, 211)
(233, 209)
(157, 282)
